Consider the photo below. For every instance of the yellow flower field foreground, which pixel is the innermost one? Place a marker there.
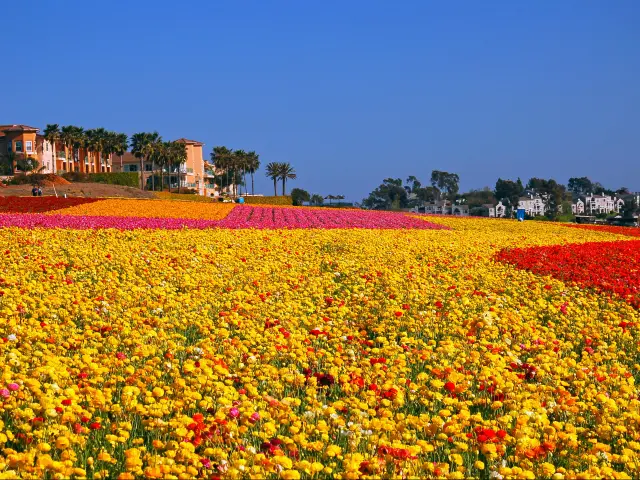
(309, 353)
(149, 209)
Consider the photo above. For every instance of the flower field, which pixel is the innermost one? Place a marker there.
(607, 267)
(372, 348)
(325, 218)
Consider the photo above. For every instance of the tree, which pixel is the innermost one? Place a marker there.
(27, 164)
(142, 147)
(178, 156)
(580, 186)
(413, 183)
(551, 192)
(8, 163)
(52, 135)
(72, 138)
(390, 194)
(446, 183)
(241, 161)
(428, 194)
(509, 191)
(273, 172)
(120, 145)
(299, 196)
(253, 164)
(223, 161)
(316, 199)
(287, 172)
(477, 198)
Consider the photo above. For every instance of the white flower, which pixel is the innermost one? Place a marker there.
(12, 337)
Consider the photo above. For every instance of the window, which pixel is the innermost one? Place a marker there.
(18, 146)
(147, 167)
(29, 145)
(130, 168)
(9, 146)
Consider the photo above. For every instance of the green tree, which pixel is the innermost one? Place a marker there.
(316, 199)
(299, 196)
(509, 192)
(287, 172)
(120, 146)
(223, 161)
(253, 164)
(580, 186)
(52, 135)
(390, 194)
(273, 172)
(178, 156)
(72, 138)
(447, 183)
(143, 145)
(27, 164)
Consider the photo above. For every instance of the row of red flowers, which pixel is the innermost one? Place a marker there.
(268, 218)
(40, 204)
(612, 267)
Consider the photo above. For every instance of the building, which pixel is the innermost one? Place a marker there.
(498, 210)
(25, 142)
(194, 174)
(577, 208)
(443, 207)
(595, 204)
(533, 205)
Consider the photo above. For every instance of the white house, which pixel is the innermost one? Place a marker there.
(532, 205)
(498, 210)
(443, 207)
(595, 204)
(578, 207)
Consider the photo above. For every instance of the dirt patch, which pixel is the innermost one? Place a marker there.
(87, 190)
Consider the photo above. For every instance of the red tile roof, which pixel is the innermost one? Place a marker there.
(190, 142)
(16, 128)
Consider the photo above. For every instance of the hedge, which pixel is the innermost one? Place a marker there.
(128, 179)
(184, 196)
(279, 200)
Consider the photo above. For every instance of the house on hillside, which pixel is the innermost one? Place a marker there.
(533, 205)
(497, 211)
(577, 208)
(443, 207)
(26, 142)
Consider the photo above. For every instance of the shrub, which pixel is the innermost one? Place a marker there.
(279, 200)
(128, 179)
(189, 197)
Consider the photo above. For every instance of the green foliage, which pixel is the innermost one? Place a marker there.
(299, 196)
(509, 192)
(316, 200)
(279, 200)
(128, 179)
(447, 183)
(26, 164)
(187, 197)
(477, 198)
(389, 195)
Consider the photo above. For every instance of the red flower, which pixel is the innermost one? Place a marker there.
(95, 426)
(450, 386)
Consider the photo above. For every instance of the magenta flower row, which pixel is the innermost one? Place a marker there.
(87, 222)
(270, 218)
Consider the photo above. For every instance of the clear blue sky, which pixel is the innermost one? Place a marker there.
(349, 92)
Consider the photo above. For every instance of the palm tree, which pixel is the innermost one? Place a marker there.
(120, 145)
(316, 199)
(72, 137)
(222, 159)
(287, 172)
(253, 164)
(241, 162)
(273, 172)
(52, 135)
(178, 155)
(142, 147)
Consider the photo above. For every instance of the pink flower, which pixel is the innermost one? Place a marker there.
(255, 417)
(121, 355)
(4, 393)
(13, 387)
(234, 413)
